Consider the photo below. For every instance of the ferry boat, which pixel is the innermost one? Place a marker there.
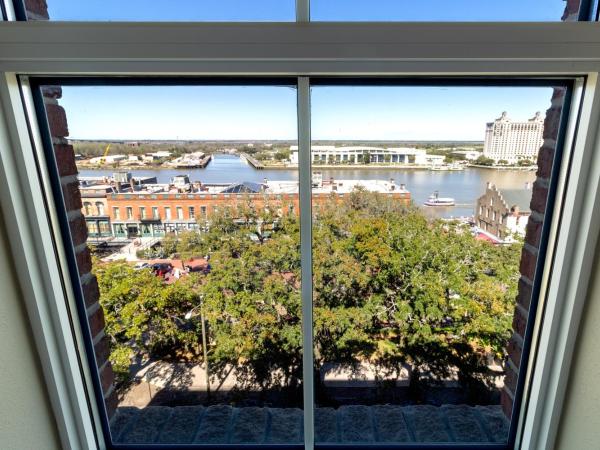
(435, 200)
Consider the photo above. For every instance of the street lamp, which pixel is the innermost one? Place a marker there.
(188, 316)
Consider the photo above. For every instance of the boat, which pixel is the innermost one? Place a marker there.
(455, 166)
(439, 168)
(435, 200)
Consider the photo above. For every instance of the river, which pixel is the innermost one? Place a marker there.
(464, 186)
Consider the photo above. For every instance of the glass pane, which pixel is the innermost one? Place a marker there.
(421, 199)
(172, 10)
(438, 10)
(195, 246)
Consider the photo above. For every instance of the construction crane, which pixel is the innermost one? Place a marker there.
(103, 160)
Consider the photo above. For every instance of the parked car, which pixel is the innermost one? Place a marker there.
(160, 269)
(141, 265)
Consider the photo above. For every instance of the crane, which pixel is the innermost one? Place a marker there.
(103, 160)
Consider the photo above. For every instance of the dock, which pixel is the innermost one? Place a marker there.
(252, 161)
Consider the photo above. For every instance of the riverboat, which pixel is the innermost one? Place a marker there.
(435, 200)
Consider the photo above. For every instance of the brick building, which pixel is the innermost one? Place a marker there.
(503, 213)
(153, 213)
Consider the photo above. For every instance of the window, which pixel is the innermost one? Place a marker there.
(171, 10)
(116, 213)
(179, 213)
(436, 10)
(339, 360)
(129, 212)
(142, 212)
(155, 212)
(87, 208)
(100, 208)
(167, 213)
(203, 211)
(191, 212)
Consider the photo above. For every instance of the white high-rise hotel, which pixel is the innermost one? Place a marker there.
(513, 141)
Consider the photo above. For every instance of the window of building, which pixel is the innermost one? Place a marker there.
(155, 214)
(100, 208)
(167, 213)
(191, 212)
(203, 211)
(368, 336)
(142, 212)
(87, 207)
(179, 212)
(129, 212)
(117, 212)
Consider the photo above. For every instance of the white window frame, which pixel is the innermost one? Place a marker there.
(300, 50)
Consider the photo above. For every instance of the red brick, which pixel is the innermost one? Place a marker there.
(552, 123)
(514, 351)
(510, 378)
(78, 230)
(545, 161)
(107, 377)
(102, 350)
(111, 403)
(72, 196)
(507, 404)
(533, 232)
(91, 293)
(38, 7)
(52, 92)
(96, 321)
(539, 198)
(558, 94)
(528, 262)
(519, 322)
(524, 295)
(84, 261)
(65, 160)
(57, 120)
(571, 9)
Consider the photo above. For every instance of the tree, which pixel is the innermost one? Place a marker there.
(525, 162)
(390, 287)
(282, 154)
(484, 161)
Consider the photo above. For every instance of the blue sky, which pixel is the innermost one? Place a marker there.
(284, 10)
(256, 113)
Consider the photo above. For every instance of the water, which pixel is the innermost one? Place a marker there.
(464, 186)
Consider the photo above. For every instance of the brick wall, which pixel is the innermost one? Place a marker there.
(533, 233)
(65, 158)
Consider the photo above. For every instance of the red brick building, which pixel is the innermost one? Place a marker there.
(155, 214)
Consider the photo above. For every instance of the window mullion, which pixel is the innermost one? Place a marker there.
(302, 11)
(306, 257)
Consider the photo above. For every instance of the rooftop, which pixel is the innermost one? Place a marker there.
(357, 424)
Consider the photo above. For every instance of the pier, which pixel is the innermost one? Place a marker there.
(252, 161)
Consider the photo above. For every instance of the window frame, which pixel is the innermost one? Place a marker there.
(30, 212)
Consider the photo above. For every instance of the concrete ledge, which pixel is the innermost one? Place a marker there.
(223, 424)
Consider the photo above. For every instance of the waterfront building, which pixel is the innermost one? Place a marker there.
(359, 155)
(154, 210)
(513, 141)
(95, 209)
(469, 155)
(502, 214)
